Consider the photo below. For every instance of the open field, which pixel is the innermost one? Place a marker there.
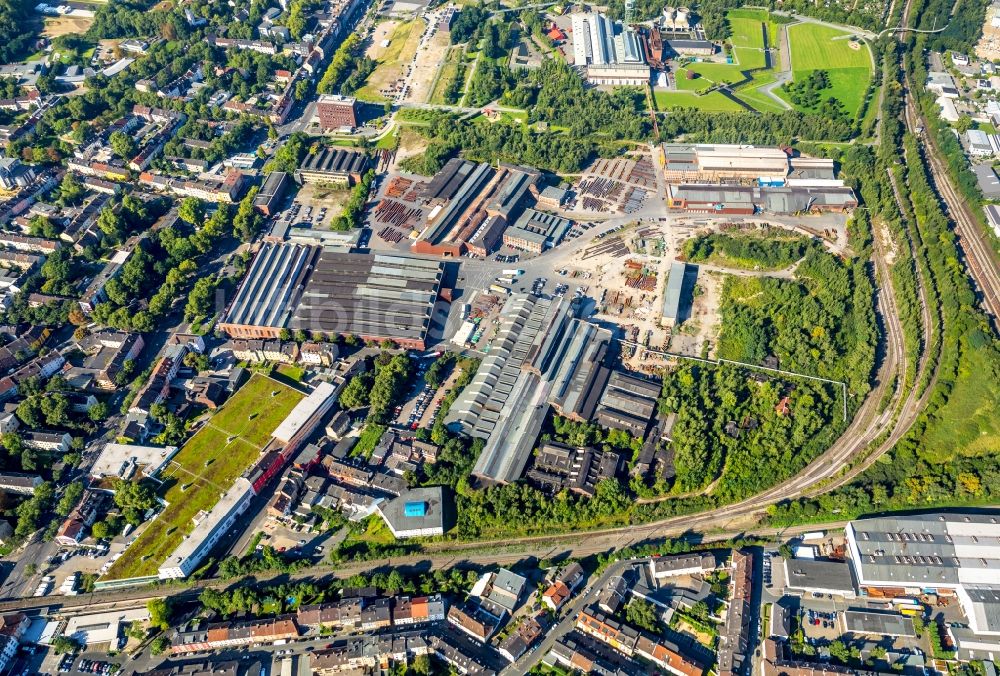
(747, 38)
(712, 102)
(446, 73)
(404, 37)
(968, 421)
(815, 47)
(66, 25)
(206, 467)
(431, 54)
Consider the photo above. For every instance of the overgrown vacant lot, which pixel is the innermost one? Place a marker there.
(206, 467)
(817, 47)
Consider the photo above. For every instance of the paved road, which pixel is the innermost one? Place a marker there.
(567, 618)
(487, 554)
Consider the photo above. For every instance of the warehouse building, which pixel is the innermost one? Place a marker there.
(560, 467)
(677, 299)
(268, 200)
(691, 47)
(878, 624)
(628, 403)
(814, 576)
(536, 232)
(506, 403)
(266, 298)
(334, 166)
(542, 357)
(318, 290)
(372, 296)
(685, 162)
(419, 512)
(747, 200)
(944, 554)
(611, 55)
(472, 205)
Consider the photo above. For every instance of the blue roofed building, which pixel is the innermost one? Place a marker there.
(418, 512)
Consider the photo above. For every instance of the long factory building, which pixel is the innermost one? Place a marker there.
(473, 204)
(744, 180)
(943, 554)
(543, 358)
(372, 296)
(610, 54)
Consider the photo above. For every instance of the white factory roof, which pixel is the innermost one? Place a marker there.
(303, 411)
(927, 550)
(102, 627)
(122, 460)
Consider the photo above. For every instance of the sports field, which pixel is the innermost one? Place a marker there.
(815, 47)
(205, 468)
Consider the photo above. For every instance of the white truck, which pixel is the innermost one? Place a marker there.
(513, 273)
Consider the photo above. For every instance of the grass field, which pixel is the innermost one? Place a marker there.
(815, 47)
(747, 38)
(967, 424)
(712, 102)
(392, 60)
(446, 73)
(206, 467)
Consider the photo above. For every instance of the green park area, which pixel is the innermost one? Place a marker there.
(813, 47)
(205, 468)
(750, 31)
(847, 62)
(710, 101)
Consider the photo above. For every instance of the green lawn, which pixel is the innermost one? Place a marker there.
(968, 423)
(205, 468)
(446, 73)
(817, 47)
(712, 102)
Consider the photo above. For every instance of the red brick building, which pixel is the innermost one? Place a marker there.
(336, 112)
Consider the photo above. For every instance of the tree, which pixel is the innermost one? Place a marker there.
(159, 645)
(98, 411)
(642, 614)
(71, 495)
(192, 211)
(159, 612)
(122, 144)
(200, 298)
(355, 394)
(65, 644)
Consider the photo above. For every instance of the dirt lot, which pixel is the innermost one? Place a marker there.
(704, 323)
(318, 197)
(403, 37)
(65, 25)
(410, 143)
(430, 60)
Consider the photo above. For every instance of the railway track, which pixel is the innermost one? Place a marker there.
(980, 259)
